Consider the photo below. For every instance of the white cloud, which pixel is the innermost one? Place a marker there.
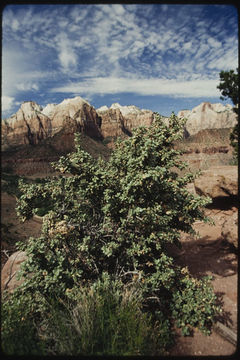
(15, 25)
(20, 73)
(154, 86)
(8, 103)
(116, 48)
(26, 86)
(214, 43)
(67, 55)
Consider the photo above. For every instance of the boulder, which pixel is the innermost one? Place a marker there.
(9, 272)
(230, 229)
(218, 182)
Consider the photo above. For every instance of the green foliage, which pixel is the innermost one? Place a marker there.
(229, 86)
(229, 81)
(191, 301)
(18, 331)
(117, 218)
(10, 184)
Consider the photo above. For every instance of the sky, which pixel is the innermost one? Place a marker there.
(156, 56)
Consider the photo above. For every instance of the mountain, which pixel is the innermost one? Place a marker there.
(208, 116)
(39, 135)
(31, 124)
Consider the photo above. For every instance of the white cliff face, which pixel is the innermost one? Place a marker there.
(27, 111)
(102, 109)
(68, 107)
(125, 110)
(49, 109)
(208, 116)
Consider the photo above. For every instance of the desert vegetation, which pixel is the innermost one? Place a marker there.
(100, 280)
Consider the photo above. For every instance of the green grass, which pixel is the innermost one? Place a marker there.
(102, 319)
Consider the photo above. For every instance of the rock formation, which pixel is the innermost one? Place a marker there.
(113, 123)
(76, 113)
(208, 116)
(119, 120)
(218, 182)
(53, 128)
(27, 126)
(32, 123)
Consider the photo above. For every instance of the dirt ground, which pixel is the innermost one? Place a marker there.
(207, 255)
(210, 255)
(12, 229)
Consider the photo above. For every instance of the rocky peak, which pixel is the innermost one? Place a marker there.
(125, 110)
(27, 111)
(208, 116)
(49, 109)
(102, 109)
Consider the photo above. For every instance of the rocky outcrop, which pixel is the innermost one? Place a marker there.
(208, 116)
(120, 120)
(9, 278)
(218, 182)
(27, 126)
(112, 122)
(207, 148)
(77, 114)
(32, 124)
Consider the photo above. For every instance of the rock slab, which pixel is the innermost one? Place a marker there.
(9, 272)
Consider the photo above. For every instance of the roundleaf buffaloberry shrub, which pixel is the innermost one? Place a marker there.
(117, 218)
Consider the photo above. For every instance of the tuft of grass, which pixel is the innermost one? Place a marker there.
(103, 320)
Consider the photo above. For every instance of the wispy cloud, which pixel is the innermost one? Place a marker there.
(148, 49)
(8, 103)
(112, 85)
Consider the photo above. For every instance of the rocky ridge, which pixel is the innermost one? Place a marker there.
(208, 116)
(52, 129)
(31, 124)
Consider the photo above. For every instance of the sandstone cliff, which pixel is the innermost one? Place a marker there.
(119, 120)
(27, 126)
(52, 128)
(31, 124)
(77, 111)
(208, 116)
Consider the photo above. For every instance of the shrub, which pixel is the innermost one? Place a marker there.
(118, 217)
(18, 331)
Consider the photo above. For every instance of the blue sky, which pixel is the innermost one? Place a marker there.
(160, 57)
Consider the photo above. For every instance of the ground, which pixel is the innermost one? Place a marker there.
(208, 255)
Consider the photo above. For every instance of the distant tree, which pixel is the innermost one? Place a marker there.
(229, 89)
